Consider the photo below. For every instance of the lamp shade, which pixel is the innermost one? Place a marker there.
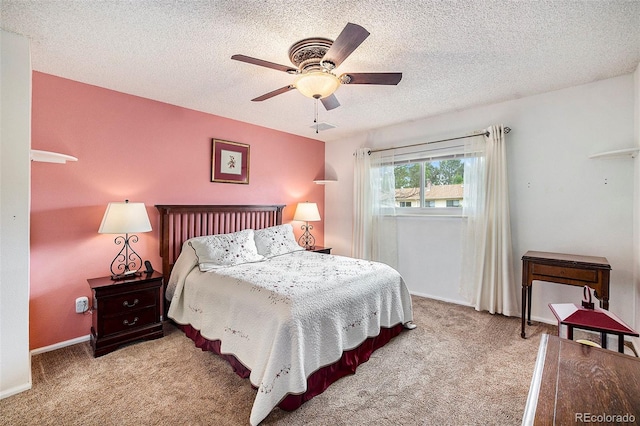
(125, 218)
(307, 212)
(317, 84)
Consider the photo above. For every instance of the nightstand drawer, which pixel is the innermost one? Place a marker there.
(131, 301)
(566, 272)
(130, 320)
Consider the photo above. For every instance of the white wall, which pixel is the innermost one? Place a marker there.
(15, 142)
(561, 201)
(442, 266)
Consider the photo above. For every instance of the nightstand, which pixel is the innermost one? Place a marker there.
(125, 311)
(320, 249)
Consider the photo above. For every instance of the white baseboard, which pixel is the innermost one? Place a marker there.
(16, 390)
(543, 320)
(60, 345)
(27, 386)
(442, 299)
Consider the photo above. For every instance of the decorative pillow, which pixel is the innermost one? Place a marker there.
(276, 240)
(217, 251)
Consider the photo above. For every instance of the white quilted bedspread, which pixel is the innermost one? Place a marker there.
(287, 316)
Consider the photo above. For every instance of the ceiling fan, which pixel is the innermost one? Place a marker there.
(315, 59)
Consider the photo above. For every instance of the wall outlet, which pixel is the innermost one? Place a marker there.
(82, 304)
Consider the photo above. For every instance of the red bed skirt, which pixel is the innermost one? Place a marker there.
(316, 382)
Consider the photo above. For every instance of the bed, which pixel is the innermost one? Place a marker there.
(291, 320)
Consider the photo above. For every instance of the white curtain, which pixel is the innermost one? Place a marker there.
(487, 270)
(361, 247)
(374, 231)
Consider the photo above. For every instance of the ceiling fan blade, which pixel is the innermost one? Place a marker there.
(389, 78)
(330, 102)
(262, 63)
(349, 39)
(273, 93)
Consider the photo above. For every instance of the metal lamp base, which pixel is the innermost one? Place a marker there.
(127, 261)
(307, 240)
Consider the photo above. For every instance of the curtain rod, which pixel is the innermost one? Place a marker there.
(506, 130)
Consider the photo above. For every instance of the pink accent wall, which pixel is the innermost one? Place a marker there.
(145, 151)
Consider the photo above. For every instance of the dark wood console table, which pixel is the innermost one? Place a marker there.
(563, 268)
(574, 383)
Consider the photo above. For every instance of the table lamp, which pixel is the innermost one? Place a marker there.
(125, 218)
(307, 212)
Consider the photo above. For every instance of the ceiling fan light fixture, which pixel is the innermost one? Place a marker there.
(317, 84)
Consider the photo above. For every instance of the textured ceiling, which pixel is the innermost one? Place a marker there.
(453, 55)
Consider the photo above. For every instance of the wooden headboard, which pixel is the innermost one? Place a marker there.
(178, 223)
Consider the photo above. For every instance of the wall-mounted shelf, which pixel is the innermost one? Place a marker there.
(620, 153)
(329, 175)
(50, 157)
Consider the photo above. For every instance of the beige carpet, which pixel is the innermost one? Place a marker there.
(458, 367)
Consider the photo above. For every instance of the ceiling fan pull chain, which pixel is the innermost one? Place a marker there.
(315, 118)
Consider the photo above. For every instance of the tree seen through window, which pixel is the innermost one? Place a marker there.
(435, 183)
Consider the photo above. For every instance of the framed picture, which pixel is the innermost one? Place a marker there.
(229, 162)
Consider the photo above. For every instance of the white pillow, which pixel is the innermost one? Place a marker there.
(217, 251)
(276, 240)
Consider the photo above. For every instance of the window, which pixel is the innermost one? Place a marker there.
(435, 183)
